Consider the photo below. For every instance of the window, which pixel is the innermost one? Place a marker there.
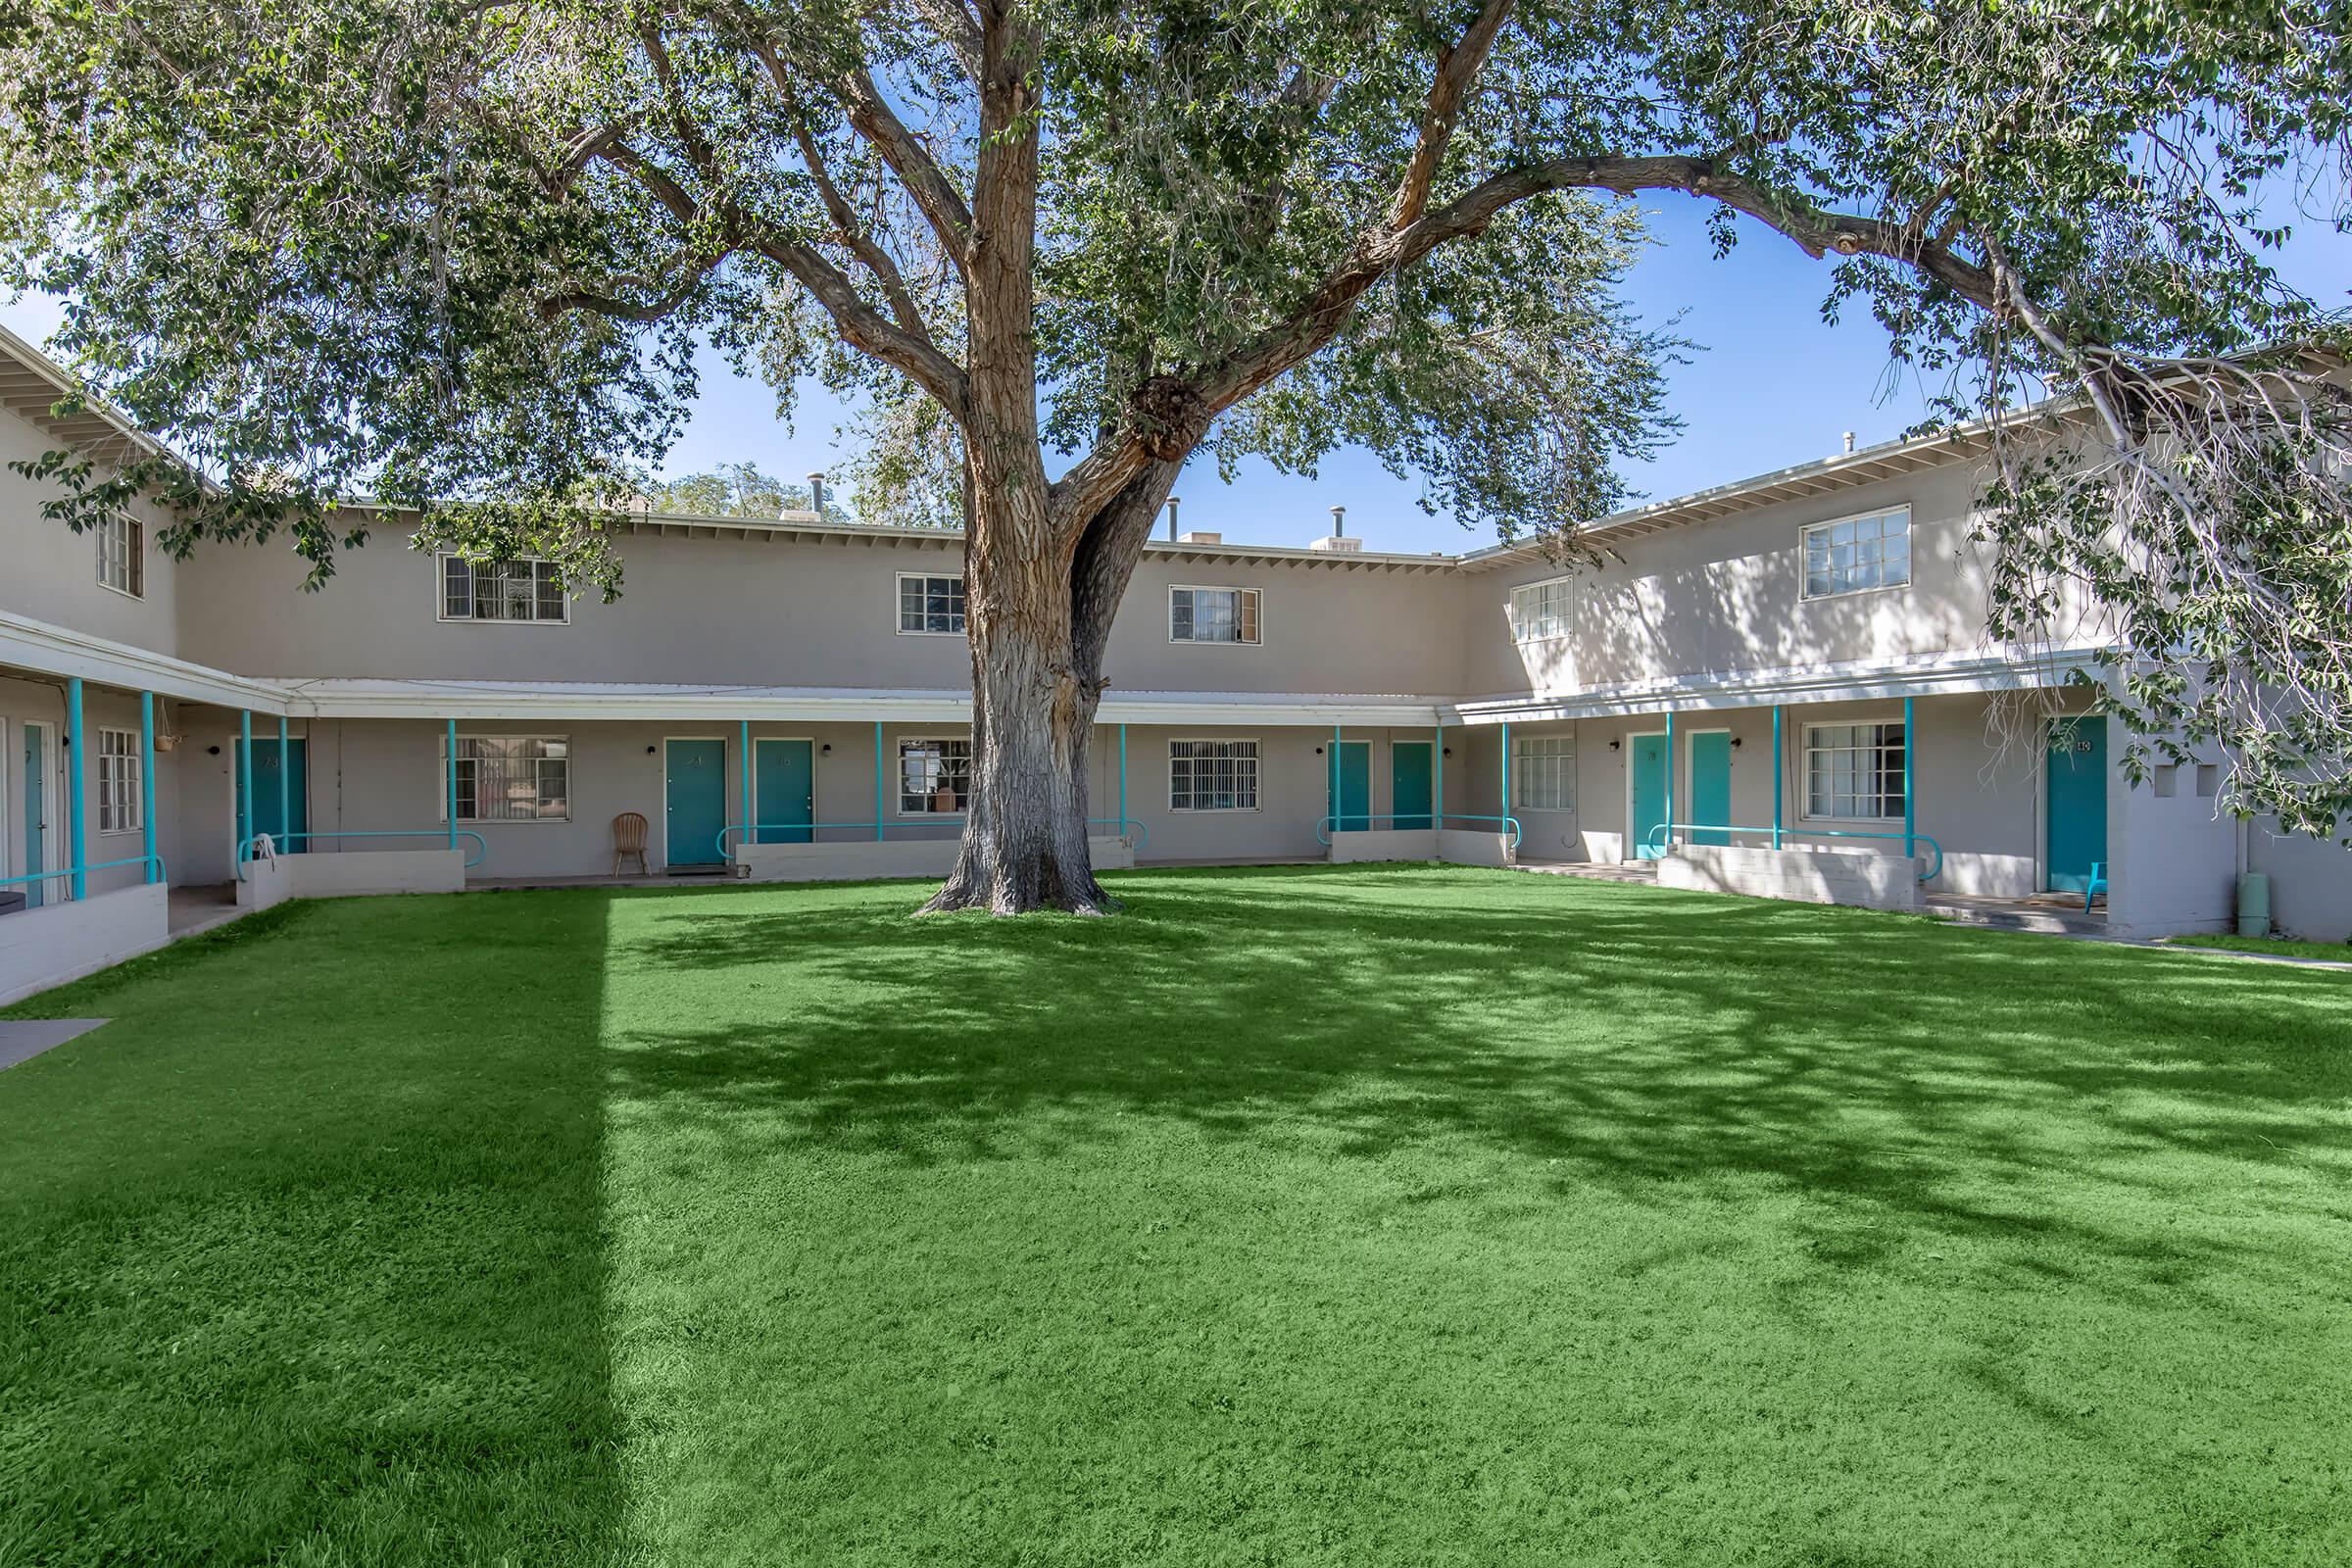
(1858, 553)
(1540, 610)
(119, 800)
(122, 558)
(1854, 771)
(1212, 775)
(1212, 614)
(1544, 773)
(513, 778)
(502, 590)
(934, 776)
(930, 603)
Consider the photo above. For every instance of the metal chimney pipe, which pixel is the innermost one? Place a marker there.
(1173, 502)
(1339, 523)
(816, 494)
(1849, 440)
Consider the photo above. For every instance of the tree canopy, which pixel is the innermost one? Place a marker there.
(460, 255)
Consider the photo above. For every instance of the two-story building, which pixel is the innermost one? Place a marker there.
(1793, 666)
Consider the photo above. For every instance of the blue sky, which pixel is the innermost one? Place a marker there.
(1772, 385)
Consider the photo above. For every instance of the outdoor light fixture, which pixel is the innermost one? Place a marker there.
(1318, 751)
(1735, 743)
(650, 750)
(827, 748)
(1616, 746)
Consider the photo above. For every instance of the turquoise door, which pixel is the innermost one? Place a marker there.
(264, 795)
(1647, 794)
(2077, 814)
(1711, 785)
(1351, 813)
(1408, 783)
(696, 796)
(786, 790)
(36, 812)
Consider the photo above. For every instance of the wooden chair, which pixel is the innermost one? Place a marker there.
(628, 838)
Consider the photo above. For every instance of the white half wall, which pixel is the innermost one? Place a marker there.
(1460, 847)
(68, 939)
(344, 876)
(1857, 877)
(1405, 843)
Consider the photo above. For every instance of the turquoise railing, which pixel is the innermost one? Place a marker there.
(1422, 821)
(245, 846)
(942, 820)
(66, 872)
(1655, 840)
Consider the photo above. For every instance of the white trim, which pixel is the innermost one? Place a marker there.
(1804, 575)
(897, 602)
(134, 554)
(1258, 615)
(1857, 680)
(52, 650)
(441, 613)
(138, 766)
(725, 746)
(1257, 791)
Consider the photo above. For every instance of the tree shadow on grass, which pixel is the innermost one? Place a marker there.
(300, 1256)
(1643, 1040)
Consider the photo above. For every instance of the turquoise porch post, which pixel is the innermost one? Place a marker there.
(1436, 768)
(878, 781)
(1670, 778)
(1122, 782)
(285, 785)
(751, 813)
(450, 782)
(245, 781)
(1507, 779)
(1910, 805)
(1332, 795)
(73, 823)
(147, 783)
(1778, 773)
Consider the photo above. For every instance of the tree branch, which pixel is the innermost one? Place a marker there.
(935, 195)
(1457, 69)
(867, 329)
(957, 27)
(693, 269)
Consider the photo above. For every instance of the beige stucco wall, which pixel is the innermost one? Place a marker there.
(39, 700)
(50, 574)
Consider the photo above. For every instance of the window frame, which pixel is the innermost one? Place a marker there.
(1257, 614)
(1804, 767)
(1521, 756)
(1258, 773)
(441, 560)
(134, 554)
(444, 806)
(1804, 537)
(130, 787)
(899, 794)
(1566, 582)
(898, 602)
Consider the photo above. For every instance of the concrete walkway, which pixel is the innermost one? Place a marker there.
(25, 1040)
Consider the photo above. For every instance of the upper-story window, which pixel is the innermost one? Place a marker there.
(121, 556)
(1212, 614)
(1855, 555)
(930, 603)
(502, 590)
(1540, 610)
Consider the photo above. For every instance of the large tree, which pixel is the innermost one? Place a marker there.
(457, 252)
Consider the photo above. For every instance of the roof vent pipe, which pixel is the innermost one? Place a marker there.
(1339, 523)
(1173, 502)
(1849, 440)
(816, 494)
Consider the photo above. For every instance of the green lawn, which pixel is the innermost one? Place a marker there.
(1298, 1216)
(2330, 952)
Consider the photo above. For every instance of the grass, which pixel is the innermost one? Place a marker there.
(1298, 1216)
(2330, 952)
